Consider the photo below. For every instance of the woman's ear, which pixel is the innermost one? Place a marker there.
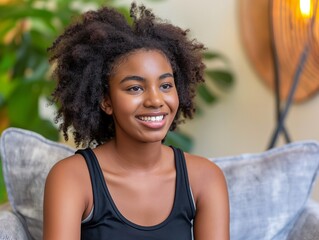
(107, 106)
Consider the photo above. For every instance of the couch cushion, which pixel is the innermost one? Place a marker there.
(269, 190)
(307, 225)
(12, 227)
(27, 158)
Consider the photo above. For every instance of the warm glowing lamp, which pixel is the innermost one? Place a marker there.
(305, 8)
(291, 28)
(281, 38)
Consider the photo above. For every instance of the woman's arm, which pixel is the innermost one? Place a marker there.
(211, 197)
(64, 201)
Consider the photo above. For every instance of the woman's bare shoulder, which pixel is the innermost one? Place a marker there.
(202, 170)
(211, 198)
(69, 176)
(70, 167)
(66, 198)
(201, 167)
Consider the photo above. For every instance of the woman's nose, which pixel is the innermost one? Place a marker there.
(153, 98)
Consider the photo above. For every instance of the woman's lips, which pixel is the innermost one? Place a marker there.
(152, 121)
(151, 118)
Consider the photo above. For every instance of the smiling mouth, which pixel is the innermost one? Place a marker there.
(151, 118)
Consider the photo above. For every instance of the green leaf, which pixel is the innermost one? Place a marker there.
(7, 86)
(124, 10)
(205, 94)
(20, 11)
(23, 110)
(23, 103)
(22, 54)
(65, 15)
(48, 87)
(3, 193)
(180, 140)
(199, 111)
(209, 55)
(39, 71)
(7, 60)
(41, 40)
(1, 101)
(42, 27)
(5, 27)
(222, 78)
(43, 127)
(104, 2)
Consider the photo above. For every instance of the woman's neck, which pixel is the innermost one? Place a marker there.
(138, 156)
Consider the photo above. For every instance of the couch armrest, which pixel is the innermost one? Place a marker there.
(11, 227)
(306, 226)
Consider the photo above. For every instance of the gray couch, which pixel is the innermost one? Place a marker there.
(269, 191)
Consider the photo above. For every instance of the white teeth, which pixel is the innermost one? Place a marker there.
(152, 119)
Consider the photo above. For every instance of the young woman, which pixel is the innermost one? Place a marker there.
(122, 87)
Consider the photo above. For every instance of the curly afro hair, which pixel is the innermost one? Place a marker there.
(84, 57)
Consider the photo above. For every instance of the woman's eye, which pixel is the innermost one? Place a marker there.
(166, 86)
(135, 89)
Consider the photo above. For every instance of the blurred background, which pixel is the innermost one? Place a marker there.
(236, 108)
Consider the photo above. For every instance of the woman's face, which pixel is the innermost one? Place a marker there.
(143, 98)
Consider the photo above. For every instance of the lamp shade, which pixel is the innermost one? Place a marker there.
(292, 32)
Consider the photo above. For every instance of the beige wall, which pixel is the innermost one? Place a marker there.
(244, 119)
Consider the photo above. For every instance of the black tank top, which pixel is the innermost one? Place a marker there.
(107, 223)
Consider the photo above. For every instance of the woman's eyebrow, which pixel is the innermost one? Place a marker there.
(133, 77)
(166, 75)
(141, 79)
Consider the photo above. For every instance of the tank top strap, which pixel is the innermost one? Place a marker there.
(97, 179)
(181, 170)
